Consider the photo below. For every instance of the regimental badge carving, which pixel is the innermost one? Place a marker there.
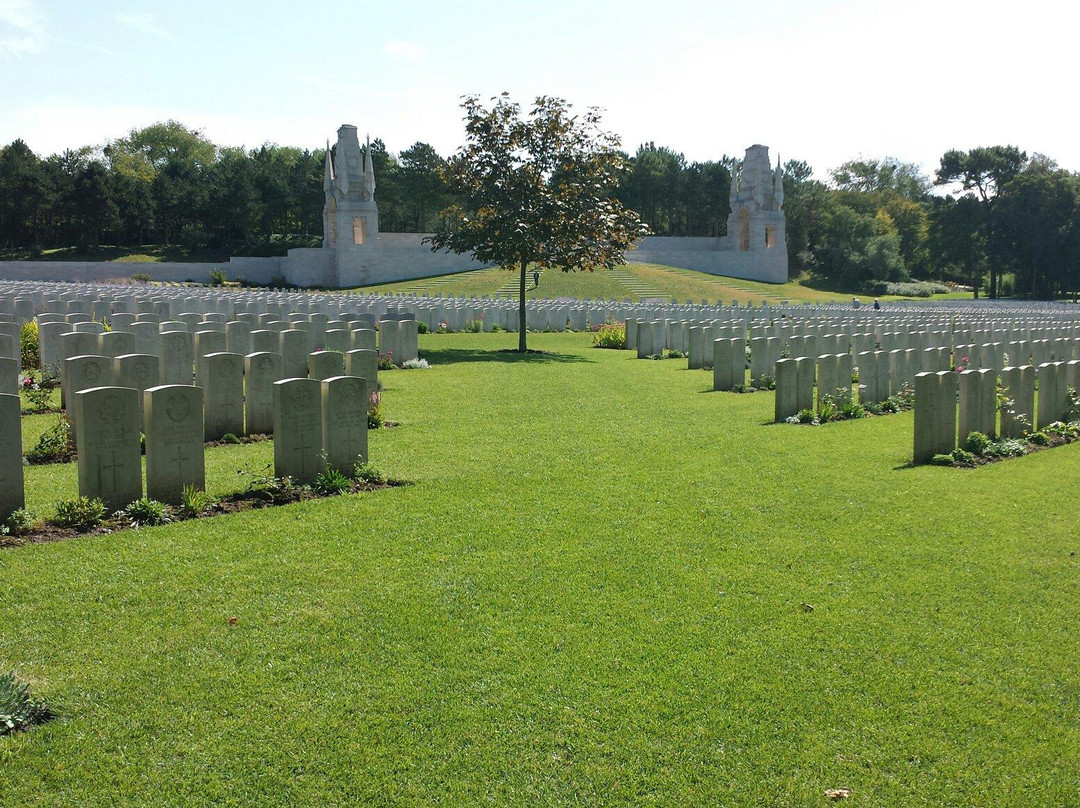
(177, 407)
(91, 372)
(111, 408)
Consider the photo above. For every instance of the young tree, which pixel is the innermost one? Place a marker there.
(537, 190)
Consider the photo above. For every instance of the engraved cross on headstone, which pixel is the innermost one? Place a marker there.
(111, 467)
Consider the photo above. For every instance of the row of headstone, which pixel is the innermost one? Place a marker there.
(238, 389)
(950, 405)
(316, 423)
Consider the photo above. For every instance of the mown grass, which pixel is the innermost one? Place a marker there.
(673, 283)
(597, 592)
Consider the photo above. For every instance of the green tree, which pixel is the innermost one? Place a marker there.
(423, 186)
(537, 190)
(1034, 227)
(868, 175)
(981, 172)
(26, 194)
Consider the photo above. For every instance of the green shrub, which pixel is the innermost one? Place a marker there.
(806, 416)
(20, 522)
(17, 709)
(1039, 438)
(674, 353)
(54, 445)
(141, 277)
(941, 460)
(827, 410)
(330, 481)
(474, 326)
(852, 409)
(194, 502)
(421, 327)
(386, 361)
(81, 513)
(147, 512)
(496, 327)
(229, 437)
(611, 335)
(275, 490)
(374, 415)
(977, 443)
(766, 382)
(369, 473)
(28, 344)
(218, 277)
(962, 456)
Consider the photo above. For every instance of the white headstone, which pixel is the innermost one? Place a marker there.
(173, 416)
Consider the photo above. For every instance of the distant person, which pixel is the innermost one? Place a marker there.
(536, 279)
(877, 306)
(855, 303)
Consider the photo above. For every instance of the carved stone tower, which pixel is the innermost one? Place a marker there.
(350, 217)
(756, 221)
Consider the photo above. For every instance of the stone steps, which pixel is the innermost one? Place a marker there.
(512, 287)
(636, 286)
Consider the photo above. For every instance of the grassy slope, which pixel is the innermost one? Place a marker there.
(592, 595)
(680, 284)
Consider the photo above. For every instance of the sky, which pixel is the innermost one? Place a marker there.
(821, 80)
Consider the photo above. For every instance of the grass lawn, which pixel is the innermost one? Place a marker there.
(632, 281)
(607, 586)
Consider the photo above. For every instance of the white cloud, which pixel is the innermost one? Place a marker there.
(409, 51)
(21, 27)
(144, 24)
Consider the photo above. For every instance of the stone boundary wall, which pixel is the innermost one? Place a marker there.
(397, 257)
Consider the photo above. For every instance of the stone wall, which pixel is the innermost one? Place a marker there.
(396, 257)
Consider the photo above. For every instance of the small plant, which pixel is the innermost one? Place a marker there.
(496, 327)
(421, 327)
(147, 512)
(194, 502)
(230, 438)
(81, 513)
(272, 489)
(17, 709)
(330, 481)
(852, 409)
(386, 361)
(766, 382)
(374, 415)
(369, 473)
(37, 396)
(474, 326)
(962, 457)
(20, 522)
(415, 364)
(977, 443)
(941, 460)
(827, 410)
(29, 347)
(963, 363)
(141, 277)
(54, 445)
(674, 353)
(610, 336)
(1039, 438)
(218, 277)
(807, 417)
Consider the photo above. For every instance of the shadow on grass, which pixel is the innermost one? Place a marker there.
(453, 356)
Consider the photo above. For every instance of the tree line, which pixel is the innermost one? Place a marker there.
(992, 218)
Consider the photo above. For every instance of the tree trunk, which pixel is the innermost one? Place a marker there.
(521, 308)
